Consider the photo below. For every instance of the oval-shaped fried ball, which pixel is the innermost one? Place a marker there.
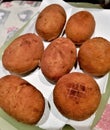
(23, 54)
(80, 27)
(50, 22)
(58, 58)
(21, 100)
(94, 56)
(77, 96)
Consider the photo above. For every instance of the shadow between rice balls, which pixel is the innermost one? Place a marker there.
(23, 54)
(94, 56)
(58, 59)
(76, 96)
(80, 27)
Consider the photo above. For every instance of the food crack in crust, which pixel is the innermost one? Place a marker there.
(75, 90)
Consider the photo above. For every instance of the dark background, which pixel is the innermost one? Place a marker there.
(90, 1)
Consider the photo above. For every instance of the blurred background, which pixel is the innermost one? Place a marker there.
(103, 3)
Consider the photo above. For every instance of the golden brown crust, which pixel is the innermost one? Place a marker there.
(58, 58)
(94, 56)
(50, 22)
(80, 27)
(23, 54)
(77, 96)
(21, 100)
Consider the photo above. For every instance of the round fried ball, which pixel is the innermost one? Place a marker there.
(58, 58)
(50, 22)
(80, 27)
(94, 56)
(21, 100)
(23, 54)
(76, 96)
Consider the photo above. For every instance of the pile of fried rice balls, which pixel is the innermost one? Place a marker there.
(76, 94)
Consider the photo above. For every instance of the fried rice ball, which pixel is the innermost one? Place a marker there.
(58, 58)
(23, 54)
(50, 22)
(80, 27)
(94, 56)
(21, 100)
(77, 96)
